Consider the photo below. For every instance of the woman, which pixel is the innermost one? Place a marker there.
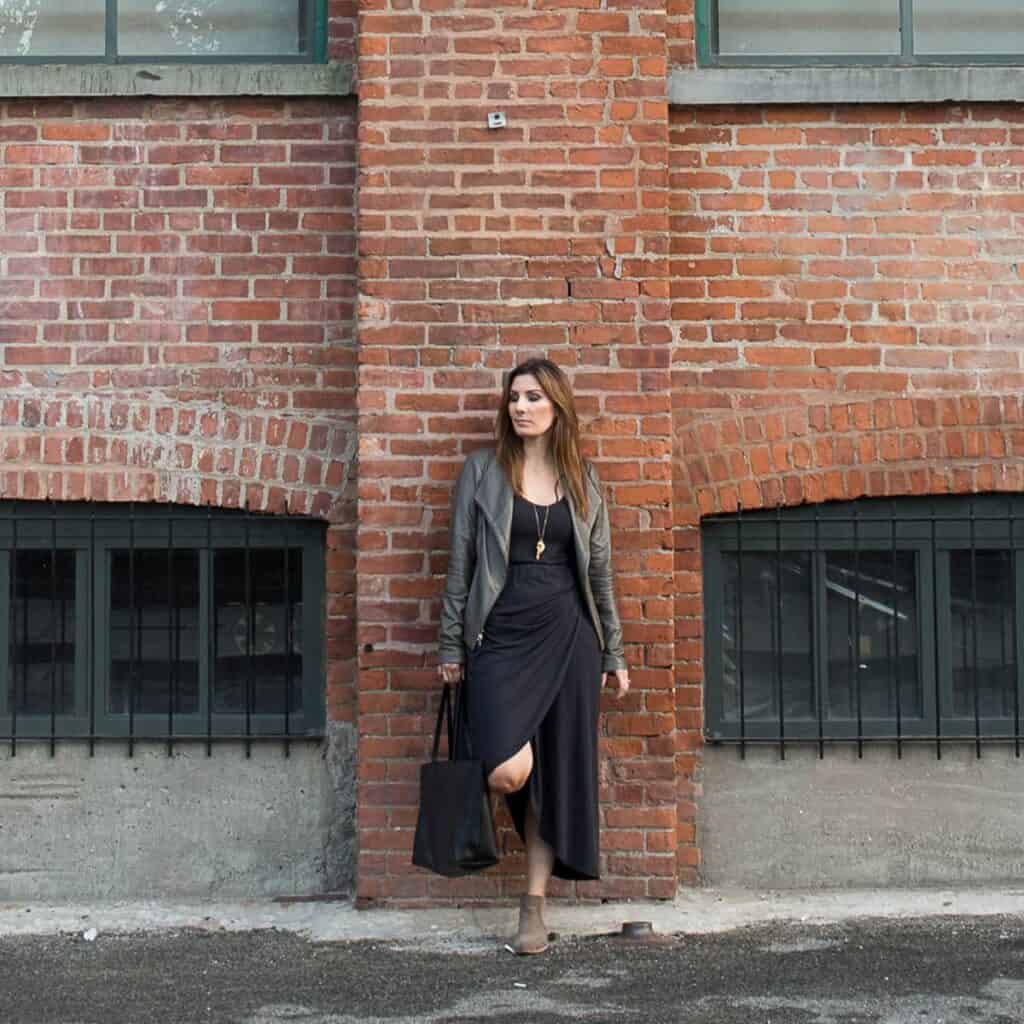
(529, 622)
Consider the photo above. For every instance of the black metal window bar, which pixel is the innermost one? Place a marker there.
(904, 33)
(866, 622)
(158, 623)
(177, 32)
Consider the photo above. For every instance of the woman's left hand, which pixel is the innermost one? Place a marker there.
(621, 681)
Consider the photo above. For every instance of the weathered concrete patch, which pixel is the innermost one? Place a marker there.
(692, 86)
(845, 821)
(338, 808)
(586, 979)
(64, 80)
(472, 930)
(496, 1004)
(186, 826)
(802, 946)
(999, 1002)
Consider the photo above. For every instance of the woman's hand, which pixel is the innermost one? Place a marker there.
(450, 671)
(621, 681)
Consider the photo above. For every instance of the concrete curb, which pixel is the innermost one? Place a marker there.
(693, 912)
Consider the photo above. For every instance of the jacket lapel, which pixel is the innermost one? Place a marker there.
(593, 501)
(582, 528)
(494, 497)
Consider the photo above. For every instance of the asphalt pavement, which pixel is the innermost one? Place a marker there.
(934, 970)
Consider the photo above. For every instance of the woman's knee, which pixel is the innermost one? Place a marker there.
(510, 776)
(507, 780)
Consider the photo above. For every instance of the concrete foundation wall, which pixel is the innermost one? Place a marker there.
(188, 826)
(837, 822)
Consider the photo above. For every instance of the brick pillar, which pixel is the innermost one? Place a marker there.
(480, 247)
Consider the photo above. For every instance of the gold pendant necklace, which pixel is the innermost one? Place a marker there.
(540, 529)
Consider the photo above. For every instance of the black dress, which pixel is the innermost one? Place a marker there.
(536, 677)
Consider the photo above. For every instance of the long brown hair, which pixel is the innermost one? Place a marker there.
(565, 431)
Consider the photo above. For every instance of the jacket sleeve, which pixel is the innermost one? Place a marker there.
(461, 563)
(601, 587)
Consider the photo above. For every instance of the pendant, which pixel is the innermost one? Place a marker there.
(540, 549)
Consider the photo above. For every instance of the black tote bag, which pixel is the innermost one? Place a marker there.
(455, 826)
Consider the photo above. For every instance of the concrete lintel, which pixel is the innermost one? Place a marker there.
(709, 86)
(69, 80)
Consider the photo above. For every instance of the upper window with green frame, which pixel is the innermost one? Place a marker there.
(168, 31)
(738, 33)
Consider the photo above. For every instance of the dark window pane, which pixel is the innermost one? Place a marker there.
(982, 26)
(154, 631)
(42, 645)
(42, 28)
(210, 28)
(758, 28)
(258, 632)
(983, 629)
(770, 596)
(872, 634)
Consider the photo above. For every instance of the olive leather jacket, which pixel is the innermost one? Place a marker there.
(478, 563)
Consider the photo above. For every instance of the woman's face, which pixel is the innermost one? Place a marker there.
(531, 410)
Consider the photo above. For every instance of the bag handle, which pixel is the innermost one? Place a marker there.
(444, 714)
(462, 719)
(454, 714)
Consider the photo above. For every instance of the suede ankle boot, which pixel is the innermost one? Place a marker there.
(532, 936)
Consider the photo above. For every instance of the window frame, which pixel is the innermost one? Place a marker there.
(707, 21)
(93, 533)
(35, 726)
(315, 27)
(932, 528)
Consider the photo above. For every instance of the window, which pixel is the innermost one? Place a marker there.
(886, 32)
(866, 621)
(159, 622)
(117, 31)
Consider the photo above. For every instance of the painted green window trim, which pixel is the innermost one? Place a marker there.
(320, 33)
(706, 13)
(705, 50)
(316, 27)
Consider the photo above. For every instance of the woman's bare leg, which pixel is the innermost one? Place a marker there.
(509, 777)
(540, 858)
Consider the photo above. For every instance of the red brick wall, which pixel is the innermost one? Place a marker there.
(177, 284)
(773, 305)
(846, 299)
(342, 19)
(682, 29)
(478, 248)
